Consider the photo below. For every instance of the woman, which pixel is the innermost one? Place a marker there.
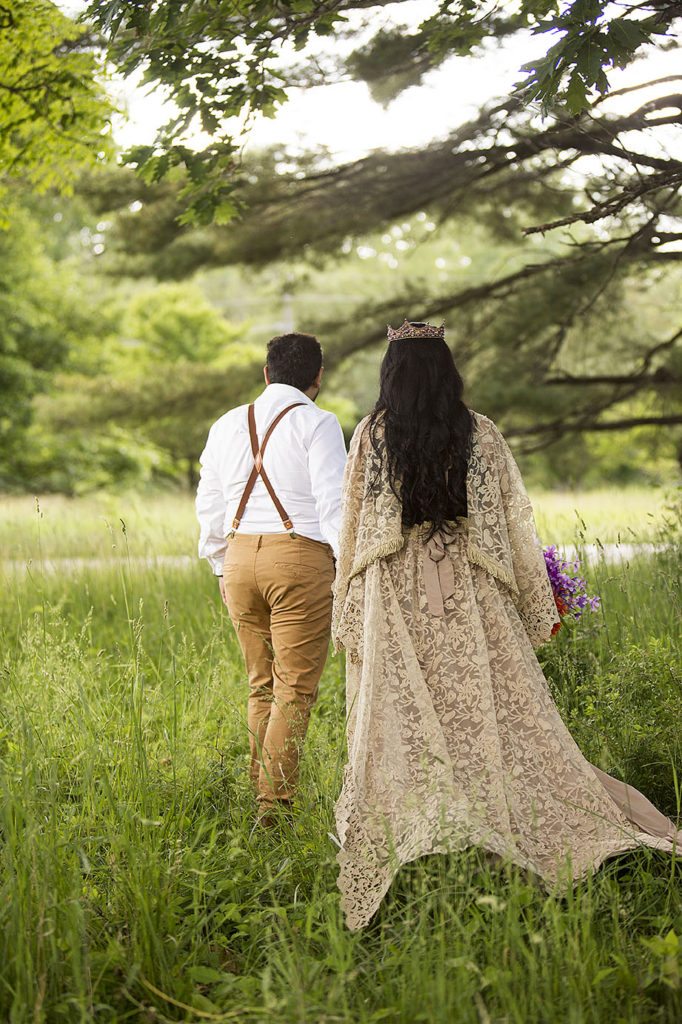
(441, 595)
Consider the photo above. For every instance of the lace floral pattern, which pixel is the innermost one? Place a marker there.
(453, 736)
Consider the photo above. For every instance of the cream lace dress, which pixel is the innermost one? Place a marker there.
(453, 736)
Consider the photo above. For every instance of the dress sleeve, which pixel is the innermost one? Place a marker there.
(352, 495)
(535, 600)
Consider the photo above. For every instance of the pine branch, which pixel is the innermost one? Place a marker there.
(558, 428)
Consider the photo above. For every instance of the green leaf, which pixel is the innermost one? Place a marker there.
(576, 94)
(628, 33)
(205, 975)
(225, 211)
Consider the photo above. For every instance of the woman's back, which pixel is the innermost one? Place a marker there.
(453, 736)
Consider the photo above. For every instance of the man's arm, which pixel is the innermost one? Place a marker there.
(210, 507)
(326, 463)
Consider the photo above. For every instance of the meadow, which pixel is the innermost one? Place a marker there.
(132, 887)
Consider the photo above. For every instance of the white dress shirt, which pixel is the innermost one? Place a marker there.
(304, 460)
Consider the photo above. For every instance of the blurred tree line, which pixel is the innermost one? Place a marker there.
(133, 315)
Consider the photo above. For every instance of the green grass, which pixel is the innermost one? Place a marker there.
(611, 515)
(156, 524)
(165, 525)
(131, 888)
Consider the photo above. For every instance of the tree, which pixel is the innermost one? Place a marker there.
(601, 202)
(172, 366)
(173, 324)
(54, 122)
(501, 171)
(219, 60)
(54, 117)
(41, 319)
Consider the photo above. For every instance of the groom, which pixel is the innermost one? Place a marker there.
(269, 509)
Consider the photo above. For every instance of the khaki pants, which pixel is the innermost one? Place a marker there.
(279, 596)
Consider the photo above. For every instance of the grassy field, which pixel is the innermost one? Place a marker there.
(165, 525)
(131, 887)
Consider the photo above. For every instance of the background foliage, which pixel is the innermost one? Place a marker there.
(548, 238)
(54, 116)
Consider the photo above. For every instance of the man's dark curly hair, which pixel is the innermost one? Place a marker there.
(294, 359)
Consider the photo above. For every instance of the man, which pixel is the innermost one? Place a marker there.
(269, 508)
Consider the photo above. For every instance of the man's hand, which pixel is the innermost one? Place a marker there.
(221, 584)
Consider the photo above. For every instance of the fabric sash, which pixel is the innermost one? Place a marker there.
(439, 574)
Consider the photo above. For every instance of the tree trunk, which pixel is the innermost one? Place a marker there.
(192, 472)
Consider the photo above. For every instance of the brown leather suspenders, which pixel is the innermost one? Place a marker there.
(258, 470)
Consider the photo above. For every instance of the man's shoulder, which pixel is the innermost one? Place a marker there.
(230, 420)
(236, 414)
(324, 415)
(314, 417)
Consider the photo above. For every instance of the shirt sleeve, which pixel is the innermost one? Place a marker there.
(326, 463)
(210, 506)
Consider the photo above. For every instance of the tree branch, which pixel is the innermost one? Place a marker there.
(661, 377)
(574, 428)
(433, 308)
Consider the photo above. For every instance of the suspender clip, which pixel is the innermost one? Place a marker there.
(288, 525)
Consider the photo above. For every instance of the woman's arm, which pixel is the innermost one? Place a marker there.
(535, 600)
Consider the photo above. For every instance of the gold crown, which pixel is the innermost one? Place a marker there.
(415, 330)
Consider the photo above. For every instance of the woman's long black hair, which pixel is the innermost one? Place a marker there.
(426, 428)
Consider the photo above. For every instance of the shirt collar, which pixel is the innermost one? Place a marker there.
(281, 395)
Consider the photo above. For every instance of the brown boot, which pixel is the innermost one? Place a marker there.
(275, 815)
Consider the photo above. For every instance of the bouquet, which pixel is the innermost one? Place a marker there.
(568, 587)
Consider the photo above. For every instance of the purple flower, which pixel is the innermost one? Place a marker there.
(568, 587)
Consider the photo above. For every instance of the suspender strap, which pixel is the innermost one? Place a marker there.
(259, 470)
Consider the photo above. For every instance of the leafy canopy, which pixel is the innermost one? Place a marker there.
(220, 62)
(54, 118)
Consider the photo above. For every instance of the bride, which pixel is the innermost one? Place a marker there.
(441, 595)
